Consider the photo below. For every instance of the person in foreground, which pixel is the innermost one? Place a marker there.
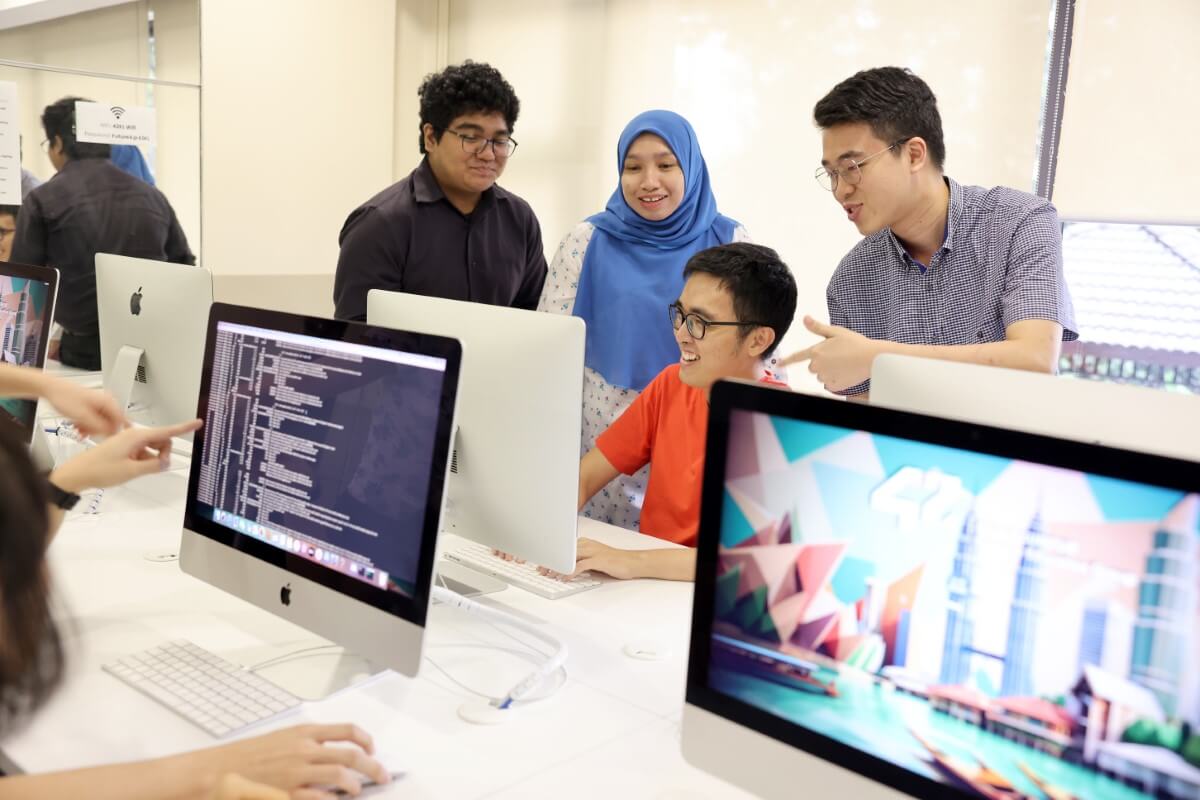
(737, 303)
(299, 762)
(961, 273)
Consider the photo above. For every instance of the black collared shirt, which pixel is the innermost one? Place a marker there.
(92, 206)
(409, 238)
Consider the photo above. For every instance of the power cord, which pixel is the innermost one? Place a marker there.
(270, 662)
(523, 690)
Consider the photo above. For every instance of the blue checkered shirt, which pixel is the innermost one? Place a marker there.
(1001, 262)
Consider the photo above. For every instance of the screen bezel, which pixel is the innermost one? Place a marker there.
(411, 608)
(729, 396)
(47, 275)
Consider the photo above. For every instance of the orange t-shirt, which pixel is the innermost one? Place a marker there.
(664, 426)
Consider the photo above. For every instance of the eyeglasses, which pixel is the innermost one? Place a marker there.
(697, 325)
(45, 145)
(850, 170)
(475, 145)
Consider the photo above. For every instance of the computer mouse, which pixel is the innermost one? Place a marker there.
(369, 786)
(646, 651)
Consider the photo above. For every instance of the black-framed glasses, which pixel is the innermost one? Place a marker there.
(848, 169)
(475, 145)
(697, 325)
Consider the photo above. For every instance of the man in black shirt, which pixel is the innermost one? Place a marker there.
(447, 230)
(90, 206)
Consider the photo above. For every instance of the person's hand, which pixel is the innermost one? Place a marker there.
(842, 360)
(54, 348)
(129, 454)
(300, 761)
(591, 555)
(235, 787)
(95, 412)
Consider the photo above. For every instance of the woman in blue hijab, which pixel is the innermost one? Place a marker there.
(620, 269)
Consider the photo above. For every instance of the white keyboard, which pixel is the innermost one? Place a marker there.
(522, 575)
(221, 697)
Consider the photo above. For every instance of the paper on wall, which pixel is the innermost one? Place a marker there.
(10, 146)
(113, 124)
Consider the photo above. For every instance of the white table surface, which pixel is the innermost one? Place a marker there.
(612, 727)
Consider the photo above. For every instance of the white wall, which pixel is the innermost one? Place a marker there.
(297, 129)
(421, 42)
(746, 75)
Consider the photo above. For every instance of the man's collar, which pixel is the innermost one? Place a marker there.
(953, 213)
(426, 188)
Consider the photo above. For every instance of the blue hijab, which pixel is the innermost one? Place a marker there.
(633, 267)
(129, 158)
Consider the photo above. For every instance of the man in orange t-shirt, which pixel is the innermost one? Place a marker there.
(738, 301)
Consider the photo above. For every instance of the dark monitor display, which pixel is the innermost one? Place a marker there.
(949, 609)
(324, 450)
(27, 296)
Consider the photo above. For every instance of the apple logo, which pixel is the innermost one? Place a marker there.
(285, 594)
(135, 302)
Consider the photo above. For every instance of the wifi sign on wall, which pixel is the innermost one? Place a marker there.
(110, 123)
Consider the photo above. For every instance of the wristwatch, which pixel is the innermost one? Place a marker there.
(61, 497)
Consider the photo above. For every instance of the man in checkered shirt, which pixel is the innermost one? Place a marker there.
(962, 273)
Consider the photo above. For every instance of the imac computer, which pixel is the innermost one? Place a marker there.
(1129, 417)
(515, 481)
(317, 480)
(892, 604)
(152, 321)
(27, 295)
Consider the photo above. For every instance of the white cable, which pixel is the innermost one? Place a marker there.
(536, 678)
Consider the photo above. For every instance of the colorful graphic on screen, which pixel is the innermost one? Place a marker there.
(1009, 628)
(23, 323)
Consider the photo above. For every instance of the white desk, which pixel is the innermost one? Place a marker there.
(612, 727)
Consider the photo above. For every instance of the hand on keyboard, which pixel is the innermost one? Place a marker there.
(591, 555)
(546, 571)
(515, 571)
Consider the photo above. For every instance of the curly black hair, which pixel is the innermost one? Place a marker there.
(893, 101)
(31, 652)
(466, 88)
(58, 119)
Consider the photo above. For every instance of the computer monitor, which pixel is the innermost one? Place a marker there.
(892, 603)
(317, 481)
(1131, 417)
(1136, 290)
(515, 481)
(27, 295)
(153, 316)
